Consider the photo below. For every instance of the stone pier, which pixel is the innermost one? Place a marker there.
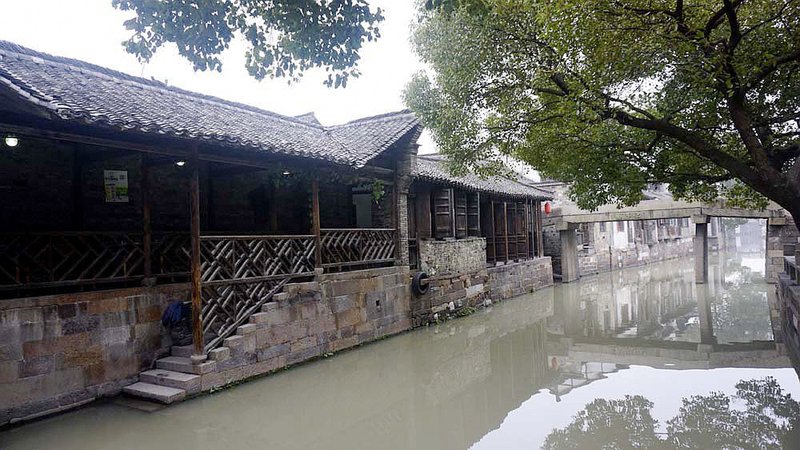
(569, 255)
(782, 240)
(700, 248)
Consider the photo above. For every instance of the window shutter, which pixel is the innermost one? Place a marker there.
(473, 214)
(443, 214)
(461, 214)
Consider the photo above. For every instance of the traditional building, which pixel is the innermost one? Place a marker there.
(290, 239)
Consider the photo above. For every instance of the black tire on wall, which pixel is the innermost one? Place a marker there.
(419, 283)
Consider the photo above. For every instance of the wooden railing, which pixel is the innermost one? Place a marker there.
(240, 274)
(357, 247)
(59, 259)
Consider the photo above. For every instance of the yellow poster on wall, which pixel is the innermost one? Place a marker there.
(116, 184)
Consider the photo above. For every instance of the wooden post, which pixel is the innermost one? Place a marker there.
(77, 190)
(197, 305)
(315, 223)
(147, 229)
(478, 202)
(527, 224)
(538, 230)
(505, 226)
(494, 235)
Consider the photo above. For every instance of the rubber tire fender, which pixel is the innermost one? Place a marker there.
(419, 285)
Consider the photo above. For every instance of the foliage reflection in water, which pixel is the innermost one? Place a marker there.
(503, 378)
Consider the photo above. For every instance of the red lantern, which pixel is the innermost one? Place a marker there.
(547, 208)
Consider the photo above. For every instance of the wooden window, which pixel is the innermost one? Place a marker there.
(620, 226)
(461, 213)
(443, 213)
(473, 214)
(602, 227)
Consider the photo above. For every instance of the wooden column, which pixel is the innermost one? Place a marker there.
(194, 208)
(494, 235)
(538, 230)
(147, 229)
(478, 201)
(315, 223)
(77, 190)
(527, 222)
(505, 227)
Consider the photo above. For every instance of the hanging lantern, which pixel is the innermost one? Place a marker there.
(547, 208)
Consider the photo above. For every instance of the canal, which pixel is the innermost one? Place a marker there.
(642, 357)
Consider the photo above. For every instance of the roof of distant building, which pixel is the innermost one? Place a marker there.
(433, 168)
(80, 92)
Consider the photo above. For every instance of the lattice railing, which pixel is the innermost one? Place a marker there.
(171, 255)
(241, 273)
(357, 246)
(55, 259)
(68, 258)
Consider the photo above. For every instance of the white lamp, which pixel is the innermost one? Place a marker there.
(12, 141)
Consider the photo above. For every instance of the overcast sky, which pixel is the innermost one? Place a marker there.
(92, 30)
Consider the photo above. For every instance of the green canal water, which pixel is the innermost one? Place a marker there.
(639, 358)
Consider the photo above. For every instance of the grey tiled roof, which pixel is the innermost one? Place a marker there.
(432, 168)
(77, 91)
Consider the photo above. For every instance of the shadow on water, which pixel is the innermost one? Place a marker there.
(601, 354)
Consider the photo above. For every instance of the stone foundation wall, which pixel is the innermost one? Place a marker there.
(452, 256)
(592, 261)
(309, 320)
(62, 350)
(452, 292)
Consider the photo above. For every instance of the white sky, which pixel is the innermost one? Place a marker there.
(92, 30)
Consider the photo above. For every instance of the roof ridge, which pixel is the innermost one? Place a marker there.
(387, 115)
(12, 49)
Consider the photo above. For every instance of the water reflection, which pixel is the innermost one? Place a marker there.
(663, 303)
(500, 379)
(759, 415)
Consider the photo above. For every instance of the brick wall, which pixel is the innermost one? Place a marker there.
(62, 350)
(452, 256)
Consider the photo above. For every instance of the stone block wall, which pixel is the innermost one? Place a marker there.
(63, 350)
(783, 239)
(451, 292)
(520, 278)
(309, 320)
(452, 256)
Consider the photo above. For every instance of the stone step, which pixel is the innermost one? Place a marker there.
(162, 394)
(184, 351)
(185, 365)
(178, 380)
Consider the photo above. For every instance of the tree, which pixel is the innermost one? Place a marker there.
(284, 37)
(612, 95)
(760, 415)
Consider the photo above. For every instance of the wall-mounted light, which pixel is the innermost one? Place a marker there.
(11, 140)
(180, 163)
(286, 173)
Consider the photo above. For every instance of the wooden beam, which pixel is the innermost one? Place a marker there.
(315, 223)
(197, 305)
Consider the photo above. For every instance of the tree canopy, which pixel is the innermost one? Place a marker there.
(284, 37)
(611, 95)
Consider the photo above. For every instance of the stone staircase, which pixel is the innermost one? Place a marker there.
(176, 377)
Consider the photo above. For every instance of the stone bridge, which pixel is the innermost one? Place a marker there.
(566, 217)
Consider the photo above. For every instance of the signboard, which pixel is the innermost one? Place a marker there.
(116, 184)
